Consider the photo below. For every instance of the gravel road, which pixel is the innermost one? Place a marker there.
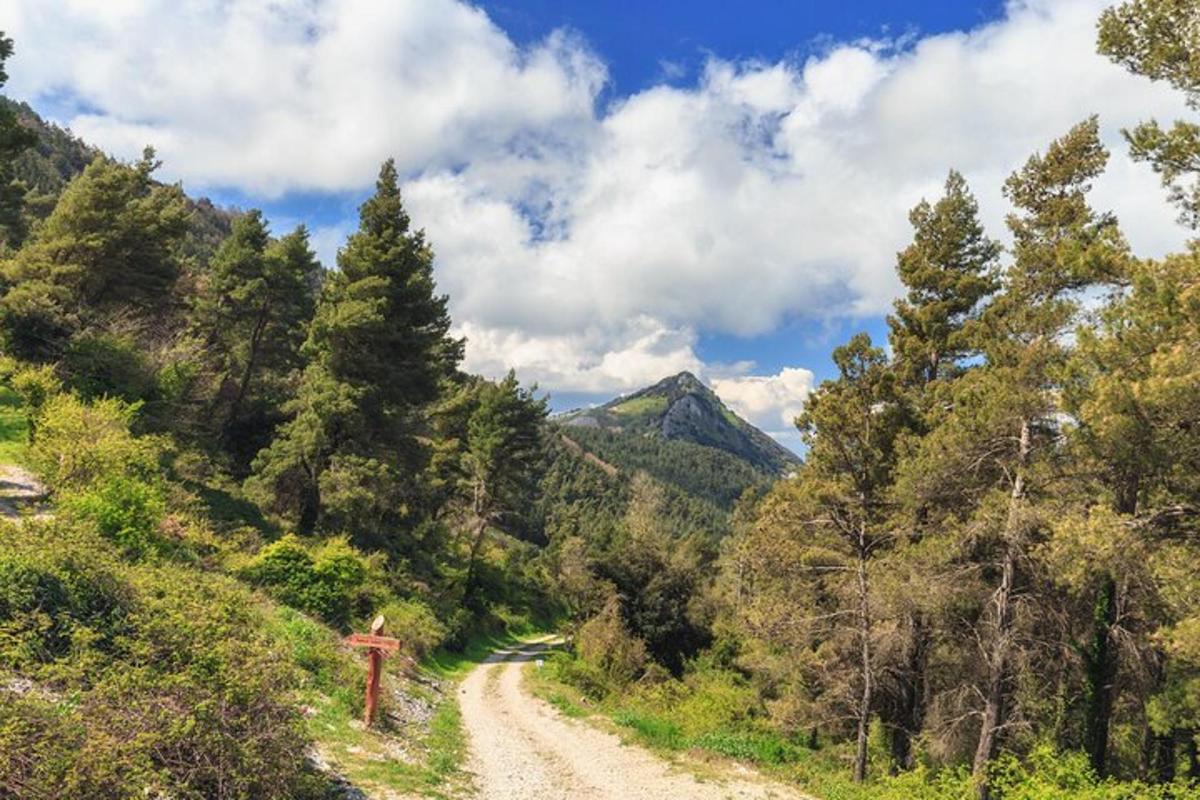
(521, 747)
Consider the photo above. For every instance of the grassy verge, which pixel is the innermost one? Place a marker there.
(707, 718)
(14, 428)
(424, 756)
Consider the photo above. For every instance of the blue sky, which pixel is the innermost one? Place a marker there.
(645, 43)
(615, 191)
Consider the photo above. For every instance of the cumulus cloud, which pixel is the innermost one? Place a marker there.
(771, 402)
(298, 94)
(588, 244)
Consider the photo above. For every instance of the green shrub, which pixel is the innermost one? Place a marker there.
(607, 647)
(192, 699)
(315, 651)
(60, 593)
(108, 365)
(1049, 774)
(35, 386)
(330, 581)
(415, 625)
(126, 511)
(78, 443)
(586, 678)
(704, 702)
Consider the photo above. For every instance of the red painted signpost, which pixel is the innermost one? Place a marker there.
(376, 643)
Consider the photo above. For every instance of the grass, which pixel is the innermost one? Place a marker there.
(651, 404)
(423, 760)
(14, 427)
(566, 705)
(698, 719)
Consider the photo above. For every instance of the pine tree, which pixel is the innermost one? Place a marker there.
(948, 269)
(14, 138)
(107, 252)
(1134, 395)
(501, 463)
(806, 569)
(252, 312)
(377, 350)
(988, 456)
(1159, 39)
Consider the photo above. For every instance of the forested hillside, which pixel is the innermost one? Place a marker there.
(980, 582)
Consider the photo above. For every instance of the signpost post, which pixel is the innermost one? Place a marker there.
(376, 643)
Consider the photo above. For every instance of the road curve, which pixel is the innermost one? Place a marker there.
(521, 747)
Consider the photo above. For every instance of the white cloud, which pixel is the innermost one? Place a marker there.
(770, 402)
(590, 246)
(273, 96)
(628, 357)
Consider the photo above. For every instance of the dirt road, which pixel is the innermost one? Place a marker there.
(521, 747)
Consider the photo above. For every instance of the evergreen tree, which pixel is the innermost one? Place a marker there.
(1160, 39)
(14, 138)
(107, 253)
(253, 312)
(377, 351)
(816, 582)
(1134, 395)
(501, 460)
(986, 461)
(948, 269)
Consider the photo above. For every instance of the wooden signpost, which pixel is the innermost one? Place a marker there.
(376, 643)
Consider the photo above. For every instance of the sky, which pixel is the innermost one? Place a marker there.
(615, 191)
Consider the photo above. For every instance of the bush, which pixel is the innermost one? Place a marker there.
(77, 443)
(606, 646)
(584, 677)
(60, 592)
(1050, 774)
(190, 701)
(108, 365)
(35, 386)
(415, 625)
(147, 680)
(331, 581)
(126, 511)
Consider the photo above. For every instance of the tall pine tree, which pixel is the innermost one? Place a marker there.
(377, 350)
(253, 312)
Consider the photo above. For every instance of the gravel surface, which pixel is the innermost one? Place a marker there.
(521, 747)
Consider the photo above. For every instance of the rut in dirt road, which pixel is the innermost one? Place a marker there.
(522, 748)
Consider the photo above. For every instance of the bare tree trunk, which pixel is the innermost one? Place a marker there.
(995, 694)
(1101, 659)
(235, 408)
(911, 716)
(864, 632)
(1101, 668)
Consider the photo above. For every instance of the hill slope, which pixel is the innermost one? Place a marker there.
(58, 156)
